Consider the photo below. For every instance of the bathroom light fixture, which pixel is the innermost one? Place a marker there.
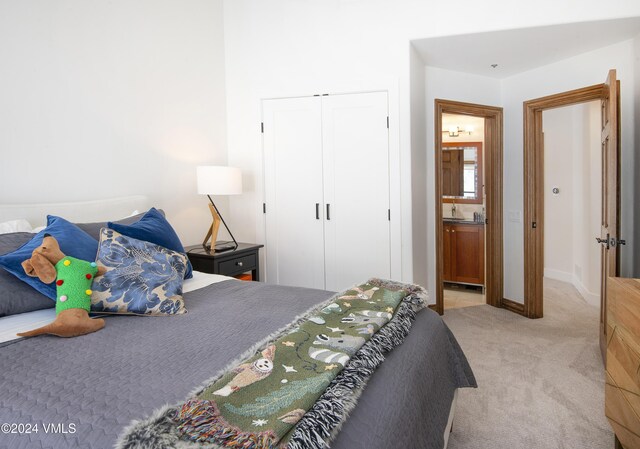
(455, 130)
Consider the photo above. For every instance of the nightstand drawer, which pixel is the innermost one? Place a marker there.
(238, 265)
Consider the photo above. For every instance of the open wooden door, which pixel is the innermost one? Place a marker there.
(609, 233)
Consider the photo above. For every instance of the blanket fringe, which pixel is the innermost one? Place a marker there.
(200, 421)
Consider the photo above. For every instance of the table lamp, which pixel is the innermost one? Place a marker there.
(218, 180)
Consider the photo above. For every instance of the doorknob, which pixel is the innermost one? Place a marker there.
(605, 241)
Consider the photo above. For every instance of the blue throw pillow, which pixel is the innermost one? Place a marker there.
(154, 228)
(73, 242)
(141, 278)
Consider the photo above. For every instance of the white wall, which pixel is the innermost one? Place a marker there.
(572, 162)
(293, 47)
(561, 134)
(101, 99)
(418, 163)
(580, 71)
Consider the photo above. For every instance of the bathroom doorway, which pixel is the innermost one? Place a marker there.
(463, 210)
(468, 156)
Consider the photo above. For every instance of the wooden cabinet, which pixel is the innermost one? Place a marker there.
(463, 253)
(327, 191)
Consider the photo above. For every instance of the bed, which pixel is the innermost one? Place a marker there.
(90, 388)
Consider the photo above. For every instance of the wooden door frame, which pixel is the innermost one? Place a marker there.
(534, 188)
(493, 137)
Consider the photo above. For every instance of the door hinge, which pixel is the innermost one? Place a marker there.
(389, 214)
(325, 95)
(262, 127)
(387, 122)
(486, 221)
(264, 208)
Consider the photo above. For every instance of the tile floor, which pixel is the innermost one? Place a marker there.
(457, 296)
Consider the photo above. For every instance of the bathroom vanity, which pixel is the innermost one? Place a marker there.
(463, 251)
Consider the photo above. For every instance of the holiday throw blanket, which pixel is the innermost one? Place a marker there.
(297, 388)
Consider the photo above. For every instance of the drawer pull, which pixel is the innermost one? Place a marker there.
(239, 264)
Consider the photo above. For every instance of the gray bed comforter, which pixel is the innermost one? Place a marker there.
(82, 392)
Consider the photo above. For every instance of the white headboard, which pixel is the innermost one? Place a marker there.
(78, 212)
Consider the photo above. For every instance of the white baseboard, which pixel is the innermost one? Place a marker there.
(589, 297)
(558, 275)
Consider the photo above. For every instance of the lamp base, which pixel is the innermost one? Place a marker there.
(212, 233)
(221, 247)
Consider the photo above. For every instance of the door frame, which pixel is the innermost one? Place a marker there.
(534, 188)
(493, 153)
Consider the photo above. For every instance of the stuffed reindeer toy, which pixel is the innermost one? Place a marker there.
(73, 279)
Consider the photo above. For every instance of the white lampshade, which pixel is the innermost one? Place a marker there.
(219, 180)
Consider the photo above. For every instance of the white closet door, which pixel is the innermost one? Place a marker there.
(293, 186)
(356, 188)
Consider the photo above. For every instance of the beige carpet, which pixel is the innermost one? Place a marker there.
(540, 382)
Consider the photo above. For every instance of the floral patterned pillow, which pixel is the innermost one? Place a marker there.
(141, 279)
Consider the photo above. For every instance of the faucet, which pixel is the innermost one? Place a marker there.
(453, 209)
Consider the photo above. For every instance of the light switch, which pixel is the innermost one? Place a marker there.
(515, 216)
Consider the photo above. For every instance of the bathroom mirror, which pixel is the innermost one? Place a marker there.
(462, 172)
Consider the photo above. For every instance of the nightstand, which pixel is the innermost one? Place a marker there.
(229, 263)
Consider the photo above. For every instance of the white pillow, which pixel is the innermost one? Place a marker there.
(20, 225)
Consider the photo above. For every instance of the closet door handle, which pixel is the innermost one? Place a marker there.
(328, 211)
(317, 211)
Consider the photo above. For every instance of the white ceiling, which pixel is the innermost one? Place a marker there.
(522, 49)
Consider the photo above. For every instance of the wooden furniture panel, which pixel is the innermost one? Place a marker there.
(622, 390)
